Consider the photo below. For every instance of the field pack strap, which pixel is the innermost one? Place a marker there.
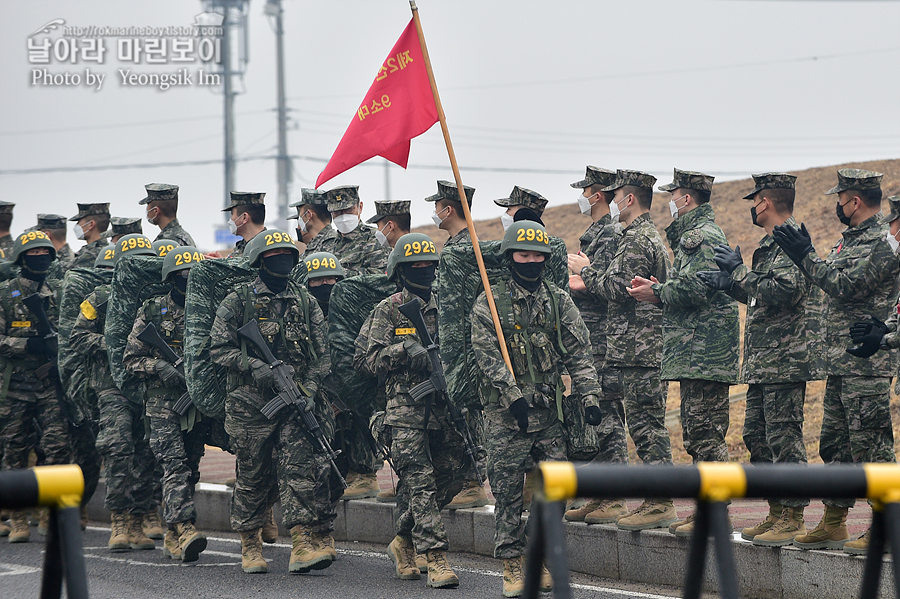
(7, 374)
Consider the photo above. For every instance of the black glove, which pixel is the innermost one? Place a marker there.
(795, 243)
(37, 346)
(593, 415)
(728, 259)
(859, 330)
(519, 410)
(718, 280)
(263, 376)
(866, 349)
(168, 374)
(418, 355)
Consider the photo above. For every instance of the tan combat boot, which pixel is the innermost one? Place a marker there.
(674, 526)
(653, 513)
(118, 535)
(19, 533)
(830, 533)
(577, 509)
(43, 526)
(136, 537)
(782, 533)
(192, 541)
(171, 548)
(774, 515)
(4, 529)
(252, 561)
(471, 495)
(152, 525)
(421, 562)
(513, 577)
(363, 486)
(387, 496)
(270, 528)
(440, 574)
(403, 554)
(861, 545)
(607, 512)
(685, 528)
(304, 555)
(325, 542)
(546, 584)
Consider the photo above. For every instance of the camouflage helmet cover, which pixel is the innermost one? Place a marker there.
(180, 258)
(412, 247)
(269, 239)
(526, 236)
(323, 264)
(31, 240)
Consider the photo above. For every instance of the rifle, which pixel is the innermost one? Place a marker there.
(101, 308)
(436, 382)
(360, 424)
(45, 328)
(289, 394)
(151, 337)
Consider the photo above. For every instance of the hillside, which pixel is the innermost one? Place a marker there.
(732, 212)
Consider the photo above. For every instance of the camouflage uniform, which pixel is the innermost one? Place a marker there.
(84, 258)
(6, 245)
(240, 247)
(299, 467)
(776, 355)
(128, 463)
(175, 232)
(634, 336)
(700, 335)
(509, 450)
(66, 257)
(426, 450)
(359, 252)
(176, 441)
(324, 241)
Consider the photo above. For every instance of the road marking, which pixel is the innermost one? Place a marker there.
(15, 569)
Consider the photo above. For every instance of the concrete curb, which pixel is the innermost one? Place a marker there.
(653, 557)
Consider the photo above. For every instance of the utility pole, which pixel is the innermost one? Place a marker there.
(284, 171)
(387, 179)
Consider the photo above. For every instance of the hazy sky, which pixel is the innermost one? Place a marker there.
(533, 91)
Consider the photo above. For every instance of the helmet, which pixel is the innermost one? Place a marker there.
(133, 244)
(269, 239)
(412, 247)
(31, 241)
(323, 264)
(180, 258)
(164, 246)
(526, 236)
(106, 258)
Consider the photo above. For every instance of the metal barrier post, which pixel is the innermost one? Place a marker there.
(721, 531)
(693, 581)
(537, 544)
(51, 582)
(547, 543)
(874, 557)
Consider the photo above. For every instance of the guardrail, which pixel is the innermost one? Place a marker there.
(713, 484)
(59, 488)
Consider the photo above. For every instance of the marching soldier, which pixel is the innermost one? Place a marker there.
(248, 218)
(162, 211)
(54, 226)
(91, 222)
(314, 221)
(392, 216)
(529, 203)
(523, 412)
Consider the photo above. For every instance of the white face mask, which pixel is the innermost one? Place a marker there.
(506, 220)
(892, 241)
(381, 237)
(345, 223)
(150, 220)
(79, 232)
(301, 224)
(585, 205)
(673, 207)
(435, 217)
(614, 211)
(232, 226)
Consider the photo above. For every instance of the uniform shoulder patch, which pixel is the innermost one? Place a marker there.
(224, 313)
(691, 240)
(88, 310)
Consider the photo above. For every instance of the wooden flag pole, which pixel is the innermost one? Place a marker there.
(462, 194)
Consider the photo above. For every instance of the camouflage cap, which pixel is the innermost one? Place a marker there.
(309, 195)
(634, 178)
(51, 221)
(6, 207)
(771, 181)
(594, 175)
(894, 202)
(689, 180)
(124, 226)
(448, 191)
(385, 208)
(160, 191)
(245, 198)
(520, 196)
(856, 178)
(341, 198)
(90, 210)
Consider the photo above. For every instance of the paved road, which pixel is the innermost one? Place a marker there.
(361, 572)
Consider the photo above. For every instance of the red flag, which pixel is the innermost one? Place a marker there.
(398, 107)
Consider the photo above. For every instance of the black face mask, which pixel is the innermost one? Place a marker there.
(418, 280)
(322, 293)
(275, 271)
(179, 287)
(527, 274)
(36, 267)
(753, 216)
(845, 220)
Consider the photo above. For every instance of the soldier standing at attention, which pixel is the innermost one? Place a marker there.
(294, 327)
(29, 393)
(427, 451)
(859, 279)
(122, 226)
(392, 216)
(162, 211)
(531, 204)
(314, 222)
(523, 412)
(54, 226)
(701, 332)
(248, 218)
(776, 352)
(91, 222)
(6, 217)
(634, 335)
(597, 248)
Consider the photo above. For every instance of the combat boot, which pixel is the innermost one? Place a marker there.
(387, 496)
(685, 529)
(607, 512)
(304, 555)
(171, 548)
(830, 533)
(136, 537)
(252, 561)
(192, 541)
(118, 535)
(270, 528)
(152, 525)
(513, 577)
(471, 495)
(577, 509)
(861, 545)
(674, 526)
(4, 529)
(43, 526)
(421, 562)
(19, 533)
(363, 486)
(325, 542)
(782, 533)
(440, 574)
(775, 509)
(546, 583)
(652, 513)
(403, 554)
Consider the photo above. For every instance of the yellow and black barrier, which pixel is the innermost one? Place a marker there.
(713, 485)
(60, 489)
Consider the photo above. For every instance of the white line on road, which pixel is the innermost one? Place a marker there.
(14, 569)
